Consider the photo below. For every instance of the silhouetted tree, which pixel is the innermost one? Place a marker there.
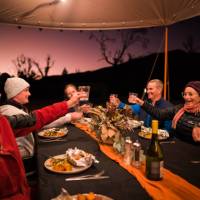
(190, 45)
(29, 68)
(115, 55)
(64, 72)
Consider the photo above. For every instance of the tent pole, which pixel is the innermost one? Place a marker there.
(166, 63)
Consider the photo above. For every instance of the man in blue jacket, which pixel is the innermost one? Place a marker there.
(154, 91)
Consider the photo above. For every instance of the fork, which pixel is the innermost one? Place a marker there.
(195, 161)
(167, 142)
(53, 140)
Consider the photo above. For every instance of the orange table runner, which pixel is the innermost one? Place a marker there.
(172, 187)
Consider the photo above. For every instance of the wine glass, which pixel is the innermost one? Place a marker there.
(86, 90)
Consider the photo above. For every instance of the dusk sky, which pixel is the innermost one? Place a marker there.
(73, 49)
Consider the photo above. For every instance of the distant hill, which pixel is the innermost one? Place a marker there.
(130, 76)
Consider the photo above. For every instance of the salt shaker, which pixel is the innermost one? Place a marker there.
(136, 154)
(128, 151)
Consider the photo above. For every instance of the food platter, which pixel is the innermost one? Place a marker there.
(79, 158)
(52, 133)
(59, 164)
(147, 133)
(85, 120)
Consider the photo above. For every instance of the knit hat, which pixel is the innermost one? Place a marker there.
(195, 85)
(14, 86)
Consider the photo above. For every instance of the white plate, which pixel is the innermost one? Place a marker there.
(57, 132)
(74, 170)
(146, 133)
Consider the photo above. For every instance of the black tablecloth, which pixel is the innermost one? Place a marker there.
(121, 185)
(178, 157)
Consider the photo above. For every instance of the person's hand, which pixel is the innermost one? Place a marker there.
(136, 100)
(196, 134)
(74, 100)
(76, 116)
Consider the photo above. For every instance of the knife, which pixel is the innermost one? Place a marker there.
(86, 178)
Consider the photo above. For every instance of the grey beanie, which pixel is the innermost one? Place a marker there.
(14, 86)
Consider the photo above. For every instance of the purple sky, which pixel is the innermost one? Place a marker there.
(73, 49)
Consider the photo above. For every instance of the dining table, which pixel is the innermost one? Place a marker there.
(180, 158)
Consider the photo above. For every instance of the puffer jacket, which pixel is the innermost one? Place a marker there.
(184, 125)
(13, 184)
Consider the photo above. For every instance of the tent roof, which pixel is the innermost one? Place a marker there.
(97, 14)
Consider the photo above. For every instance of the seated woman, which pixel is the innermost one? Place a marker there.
(185, 118)
(74, 114)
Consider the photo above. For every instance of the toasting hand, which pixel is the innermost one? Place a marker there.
(74, 100)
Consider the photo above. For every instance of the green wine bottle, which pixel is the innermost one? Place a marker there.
(154, 156)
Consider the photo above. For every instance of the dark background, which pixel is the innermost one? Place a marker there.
(120, 79)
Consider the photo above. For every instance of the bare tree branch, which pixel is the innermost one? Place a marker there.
(116, 55)
(29, 68)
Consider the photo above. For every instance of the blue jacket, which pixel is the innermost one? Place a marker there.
(147, 118)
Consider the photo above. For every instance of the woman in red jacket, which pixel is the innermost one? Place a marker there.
(13, 184)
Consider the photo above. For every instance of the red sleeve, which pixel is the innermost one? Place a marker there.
(45, 116)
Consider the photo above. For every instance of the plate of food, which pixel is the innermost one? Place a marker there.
(86, 196)
(90, 196)
(53, 132)
(60, 164)
(72, 162)
(146, 132)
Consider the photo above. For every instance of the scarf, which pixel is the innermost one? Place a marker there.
(186, 108)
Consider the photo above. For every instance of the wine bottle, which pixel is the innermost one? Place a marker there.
(154, 156)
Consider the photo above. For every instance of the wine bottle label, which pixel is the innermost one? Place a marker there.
(157, 169)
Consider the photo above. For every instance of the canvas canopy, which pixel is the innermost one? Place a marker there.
(97, 14)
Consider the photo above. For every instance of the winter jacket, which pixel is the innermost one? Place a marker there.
(59, 122)
(25, 143)
(13, 183)
(184, 125)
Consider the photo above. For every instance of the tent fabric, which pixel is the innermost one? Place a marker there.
(96, 14)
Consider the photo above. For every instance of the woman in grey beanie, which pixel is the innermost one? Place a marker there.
(17, 93)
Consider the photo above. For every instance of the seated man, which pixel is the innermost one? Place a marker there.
(154, 95)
